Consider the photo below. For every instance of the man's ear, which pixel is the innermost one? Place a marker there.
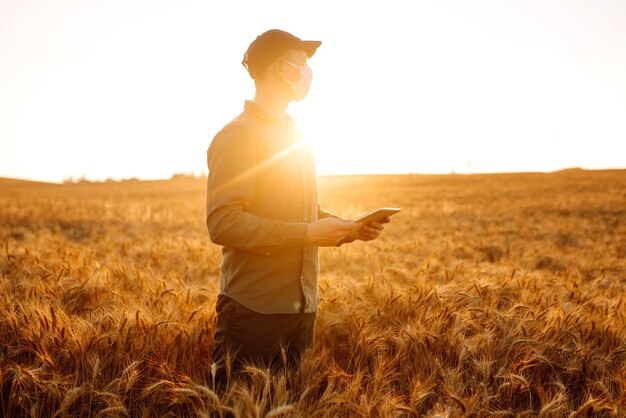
(282, 69)
(275, 68)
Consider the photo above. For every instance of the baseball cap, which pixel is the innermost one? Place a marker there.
(270, 45)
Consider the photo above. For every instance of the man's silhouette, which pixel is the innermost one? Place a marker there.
(262, 207)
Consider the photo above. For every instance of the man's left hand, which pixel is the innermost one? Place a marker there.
(371, 230)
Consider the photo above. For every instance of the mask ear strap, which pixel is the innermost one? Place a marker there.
(290, 63)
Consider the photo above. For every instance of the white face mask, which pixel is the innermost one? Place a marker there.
(301, 87)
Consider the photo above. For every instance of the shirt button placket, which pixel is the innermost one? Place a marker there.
(306, 216)
(302, 308)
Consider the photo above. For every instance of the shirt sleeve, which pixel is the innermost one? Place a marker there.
(231, 159)
(321, 213)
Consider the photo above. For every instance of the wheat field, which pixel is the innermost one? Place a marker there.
(488, 295)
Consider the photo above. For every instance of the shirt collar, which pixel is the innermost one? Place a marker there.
(256, 110)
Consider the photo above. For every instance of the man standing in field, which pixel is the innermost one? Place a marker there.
(262, 207)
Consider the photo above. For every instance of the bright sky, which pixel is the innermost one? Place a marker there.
(138, 88)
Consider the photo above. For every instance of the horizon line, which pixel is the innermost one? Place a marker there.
(174, 176)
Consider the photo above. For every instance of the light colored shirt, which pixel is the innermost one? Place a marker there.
(261, 194)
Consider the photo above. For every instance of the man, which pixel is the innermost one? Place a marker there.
(262, 207)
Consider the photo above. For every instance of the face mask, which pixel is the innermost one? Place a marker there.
(301, 87)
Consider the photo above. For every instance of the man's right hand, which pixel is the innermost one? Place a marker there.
(328, 232)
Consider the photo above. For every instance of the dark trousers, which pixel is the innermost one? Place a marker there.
(243, 335)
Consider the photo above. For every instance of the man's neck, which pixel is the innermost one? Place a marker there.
(271, 103)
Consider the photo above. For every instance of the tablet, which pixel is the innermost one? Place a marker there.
(377, 215)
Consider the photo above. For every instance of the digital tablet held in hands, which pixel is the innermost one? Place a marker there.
(377, 215)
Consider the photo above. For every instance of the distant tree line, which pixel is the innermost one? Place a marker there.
(176, 176)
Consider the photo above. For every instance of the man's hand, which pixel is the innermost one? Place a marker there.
(371, 230)
(328, 232)
(368, 231)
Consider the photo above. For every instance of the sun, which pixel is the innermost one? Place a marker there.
(336, 150)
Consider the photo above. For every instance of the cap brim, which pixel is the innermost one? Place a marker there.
(310, 47)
